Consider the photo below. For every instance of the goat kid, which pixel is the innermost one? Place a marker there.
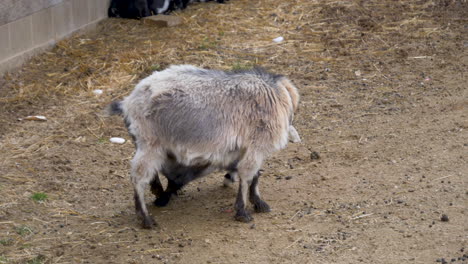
(187, 122)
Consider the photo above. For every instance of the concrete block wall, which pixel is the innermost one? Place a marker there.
(27, 28)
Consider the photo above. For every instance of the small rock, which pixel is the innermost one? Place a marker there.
(314, 155)
(288, 177)
(252, 226)
(444, 218)
(163, 20)
(97, 92)
(117, 140)
(278, 39)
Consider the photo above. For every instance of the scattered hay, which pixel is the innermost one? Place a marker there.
(325, 43)
(120, 52)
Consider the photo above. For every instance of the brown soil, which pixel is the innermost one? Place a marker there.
(384, 105)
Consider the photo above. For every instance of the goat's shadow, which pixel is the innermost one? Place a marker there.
(201, 199)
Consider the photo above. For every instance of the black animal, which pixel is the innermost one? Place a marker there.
(178, 4)
(129, 8)
(142, 8)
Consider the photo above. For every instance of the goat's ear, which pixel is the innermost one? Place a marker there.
(292, 90)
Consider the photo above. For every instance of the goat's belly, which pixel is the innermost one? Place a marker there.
(183, 172)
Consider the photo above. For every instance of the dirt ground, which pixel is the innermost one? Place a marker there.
(383, 119)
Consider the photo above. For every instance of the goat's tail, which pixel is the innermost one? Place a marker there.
(115, 108)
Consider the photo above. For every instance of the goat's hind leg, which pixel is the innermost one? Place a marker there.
(140, 206)
(143, 172)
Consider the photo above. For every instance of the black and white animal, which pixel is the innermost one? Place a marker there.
(187, 122)
(159, 6)
(129, 8)
(143, 8)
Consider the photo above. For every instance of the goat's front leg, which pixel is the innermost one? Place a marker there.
(260, 206)
(247, 173)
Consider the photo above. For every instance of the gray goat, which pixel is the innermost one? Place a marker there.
(187, 122)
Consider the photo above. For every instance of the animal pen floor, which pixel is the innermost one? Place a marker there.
(383, 119)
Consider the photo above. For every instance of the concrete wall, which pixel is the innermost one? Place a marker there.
(30, 26)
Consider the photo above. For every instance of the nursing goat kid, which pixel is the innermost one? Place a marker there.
(187, 122)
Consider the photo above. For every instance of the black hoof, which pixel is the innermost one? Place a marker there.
(162, 200)
(243, 217)
(261, 207)
(148, 223)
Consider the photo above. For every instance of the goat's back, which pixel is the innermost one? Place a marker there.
(211, 111)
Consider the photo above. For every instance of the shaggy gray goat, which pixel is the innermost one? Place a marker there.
(187, 122)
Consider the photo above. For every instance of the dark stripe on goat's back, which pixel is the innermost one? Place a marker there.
(259, 71)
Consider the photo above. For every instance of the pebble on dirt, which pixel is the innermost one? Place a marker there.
(278, 39)
(117, 140)
(97, 92)
(444, 218)
(314, 155)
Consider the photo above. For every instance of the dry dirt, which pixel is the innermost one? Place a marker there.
(383, 118)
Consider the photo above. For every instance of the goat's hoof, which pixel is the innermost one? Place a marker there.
(148, 223)
(261, 207)
(162, 200)
(243, 217)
